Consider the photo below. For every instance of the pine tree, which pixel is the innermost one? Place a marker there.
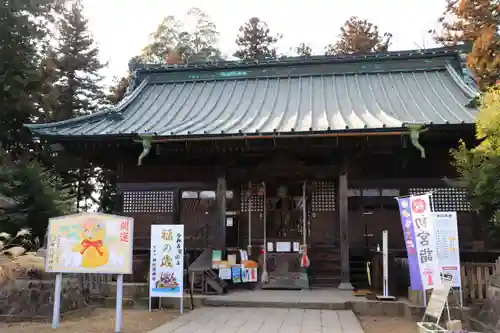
(255, 41)
(476, 23)
(77, 90)
(359, 36)
(74, 90)
(23, 28)
(39, 193)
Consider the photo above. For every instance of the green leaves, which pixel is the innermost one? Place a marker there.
(40, 194)
(479, 167)
(191, 45)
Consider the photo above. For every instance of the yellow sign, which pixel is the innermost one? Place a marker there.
(90, 243)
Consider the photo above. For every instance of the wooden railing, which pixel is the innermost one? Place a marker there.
(475, 279)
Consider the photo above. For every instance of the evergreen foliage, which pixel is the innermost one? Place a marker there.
(359, 36)
(255, 41)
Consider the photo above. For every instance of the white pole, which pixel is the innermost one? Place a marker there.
(265, 275)
(304, 214)
(385, 250)
(149, 299)
(249, 195)
(182, 302)
(57, 301)
(119, 303)
(265, 228)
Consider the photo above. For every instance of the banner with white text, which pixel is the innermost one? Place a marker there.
(167, 261)
(448, 249)
(425, 241)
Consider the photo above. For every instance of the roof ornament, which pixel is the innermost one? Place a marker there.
(467, 75)
(415, 130)
(147, 143)
(132, 84)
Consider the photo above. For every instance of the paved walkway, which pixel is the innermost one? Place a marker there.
(262, 320)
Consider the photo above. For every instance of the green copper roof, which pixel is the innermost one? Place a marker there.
(316, 94)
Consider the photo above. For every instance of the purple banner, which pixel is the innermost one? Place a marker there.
(409, 237)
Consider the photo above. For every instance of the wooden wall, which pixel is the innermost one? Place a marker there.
(399, 172)
(371, 210)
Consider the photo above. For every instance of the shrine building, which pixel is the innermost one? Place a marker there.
(274, 155)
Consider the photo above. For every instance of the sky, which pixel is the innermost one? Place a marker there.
(122, 27)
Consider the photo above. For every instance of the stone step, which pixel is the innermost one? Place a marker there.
(325, 281)
(320, 305)
(143, 302)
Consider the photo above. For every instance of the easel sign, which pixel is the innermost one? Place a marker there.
(89, 243)
(166, 274)
(439, 300)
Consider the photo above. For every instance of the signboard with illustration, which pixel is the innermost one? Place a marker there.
(90, 243)
(167, 261)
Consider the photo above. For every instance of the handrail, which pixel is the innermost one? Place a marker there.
(203, 232)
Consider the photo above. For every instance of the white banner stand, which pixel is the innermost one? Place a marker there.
(385, 263)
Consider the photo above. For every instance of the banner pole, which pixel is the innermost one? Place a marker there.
(385, 263)
(182, 302)
(249, 198)
(414, 195)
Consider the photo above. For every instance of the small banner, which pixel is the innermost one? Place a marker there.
(409, 237)
(167, 261)
(425, 236)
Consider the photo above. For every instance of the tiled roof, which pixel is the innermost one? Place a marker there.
(386, 95)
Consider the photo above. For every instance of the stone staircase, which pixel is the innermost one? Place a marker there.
(202, 278)
(325, 266)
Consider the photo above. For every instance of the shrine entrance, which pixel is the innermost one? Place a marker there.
(286, 232)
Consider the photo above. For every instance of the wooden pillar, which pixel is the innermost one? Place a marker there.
(221, 212)
(345, 274)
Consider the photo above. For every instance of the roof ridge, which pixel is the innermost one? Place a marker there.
(300, 60)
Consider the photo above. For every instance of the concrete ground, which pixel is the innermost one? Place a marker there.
(262, 320)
